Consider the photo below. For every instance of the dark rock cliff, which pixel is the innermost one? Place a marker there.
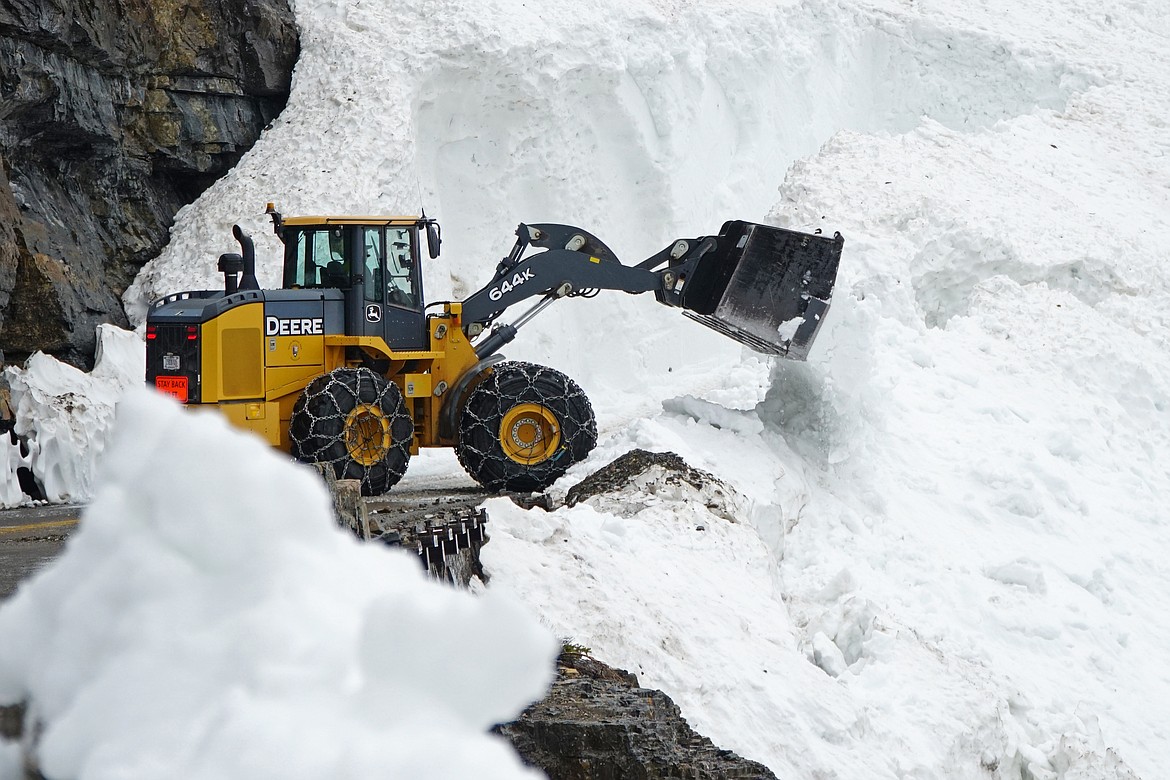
(596, 723)
(113, 115)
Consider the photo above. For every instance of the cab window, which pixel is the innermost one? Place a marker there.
(372, 251)
(400, 265)
(319, 260)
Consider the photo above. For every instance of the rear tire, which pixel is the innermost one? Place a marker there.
(523, 426)
(355, 421)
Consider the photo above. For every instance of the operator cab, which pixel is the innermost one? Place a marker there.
(373, 261)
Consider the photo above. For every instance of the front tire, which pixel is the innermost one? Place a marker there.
(355, 421)
(523, 426)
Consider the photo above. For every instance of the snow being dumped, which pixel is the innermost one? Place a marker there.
(209, 620)
(950, 563)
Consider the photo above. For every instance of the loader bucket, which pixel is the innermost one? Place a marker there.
(766, 287)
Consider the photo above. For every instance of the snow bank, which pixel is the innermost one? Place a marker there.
(65, 416)
(640, 121)
(801, 636)
(208, 620)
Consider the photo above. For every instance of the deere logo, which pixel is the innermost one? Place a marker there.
(300, 326)
(373, 313)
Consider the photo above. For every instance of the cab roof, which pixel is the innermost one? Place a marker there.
(399, 221)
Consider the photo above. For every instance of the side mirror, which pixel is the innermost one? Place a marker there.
(434, 239)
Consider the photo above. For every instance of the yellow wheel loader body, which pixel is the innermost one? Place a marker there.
(346, 363)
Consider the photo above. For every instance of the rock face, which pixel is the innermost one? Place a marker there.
(597, 724)
(113, 115)
(639, 478)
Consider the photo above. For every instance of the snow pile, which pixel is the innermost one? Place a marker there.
(65, 416)
(803, 657)
(209, 620)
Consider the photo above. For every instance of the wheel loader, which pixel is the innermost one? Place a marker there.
(348, 365)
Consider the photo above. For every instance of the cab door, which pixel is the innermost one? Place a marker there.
(387, 295)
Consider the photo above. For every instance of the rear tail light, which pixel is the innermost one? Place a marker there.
(192, 332)
(151, 332)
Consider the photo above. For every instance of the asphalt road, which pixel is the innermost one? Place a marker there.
(31, 537)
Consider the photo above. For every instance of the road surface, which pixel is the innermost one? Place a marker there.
(32, 536)
(29, 538)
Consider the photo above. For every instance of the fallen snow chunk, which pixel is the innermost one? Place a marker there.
(1023, 572)
(1075, 760)
(844, 582)
(828, 656)
(788, 328)
(716, 416)
(849, 625)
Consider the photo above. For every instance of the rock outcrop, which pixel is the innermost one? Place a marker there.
(639, 478)
(597, 723)
(115, 114)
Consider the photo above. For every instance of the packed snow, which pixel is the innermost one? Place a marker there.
(65, 416)
(948, 554)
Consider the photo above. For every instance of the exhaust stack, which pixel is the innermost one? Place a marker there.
(248, 280)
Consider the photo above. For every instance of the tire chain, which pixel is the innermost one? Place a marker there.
(543, 386)
(327, 425)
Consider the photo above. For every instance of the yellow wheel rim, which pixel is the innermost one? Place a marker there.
(367, 434)
(529, 433)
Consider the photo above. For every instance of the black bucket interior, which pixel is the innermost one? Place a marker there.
(766, 287)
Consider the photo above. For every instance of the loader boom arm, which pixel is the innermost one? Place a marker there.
(574, 262)
(765, 287)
